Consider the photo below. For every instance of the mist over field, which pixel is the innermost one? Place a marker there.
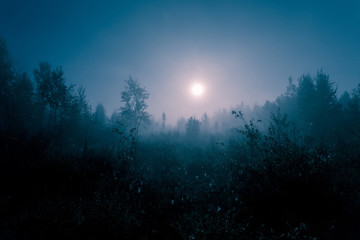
(179, 120)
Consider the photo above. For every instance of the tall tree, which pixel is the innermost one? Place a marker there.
(83, 105)
(100, 116)
(325, 91)
(51, 89)
(6, 78)
(327, 110)
(193, 127)
(133, 112)
(205, 122)
(163, 124)
(22, 91)
(306, 97)
(355, 101)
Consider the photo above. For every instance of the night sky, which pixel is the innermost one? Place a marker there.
(241, 51)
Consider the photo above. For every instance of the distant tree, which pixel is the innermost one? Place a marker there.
(6, 71)
(115, 119)
(43, 78)
(291, 88)
(269, 107)
(82, 114)
(287, 101)
(22, 91)
(216, 127)
(76, 109)
(193, 127)
(327, 109)
(306, 97)
(205, 122)
(350, 116)
(133, 112)
(181, 125)
(163, 124)
(326, 93)
(6, 78)
(312, 103)
(355, 100)
(100, 116)
(353, 109)
(51, 89)
(23, 88)
(344, 100)
(83, 104)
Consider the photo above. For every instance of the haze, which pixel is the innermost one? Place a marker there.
(242, 51)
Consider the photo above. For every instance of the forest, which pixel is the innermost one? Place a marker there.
(288, 169)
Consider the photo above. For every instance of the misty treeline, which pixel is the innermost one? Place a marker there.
(288, 169)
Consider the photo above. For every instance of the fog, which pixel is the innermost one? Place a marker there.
(179, 120)
(244, 51)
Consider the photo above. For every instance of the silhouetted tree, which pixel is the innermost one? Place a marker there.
(193, 127)
(163, 123)
(181, 124)
(205, 122)
(306, 97)
(22, 92)
(355, 101)
(287, 101)
(325, 92)
(133, 112)
(51, 89)
(6, 78)
(83, 104)
(344, 100)
(99, 115)
(326, 115)
(312, 104)
(354, 110)
(115, 119)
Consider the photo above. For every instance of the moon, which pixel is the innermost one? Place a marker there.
(197, 89)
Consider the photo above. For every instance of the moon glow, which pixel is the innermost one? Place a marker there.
(197, 89)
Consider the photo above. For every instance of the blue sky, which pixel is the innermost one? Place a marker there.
(242, 51)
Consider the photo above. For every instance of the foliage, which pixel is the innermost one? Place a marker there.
(292, 175)
(193, 127)
(134, 97)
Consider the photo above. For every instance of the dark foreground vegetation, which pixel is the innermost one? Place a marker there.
(285, 170)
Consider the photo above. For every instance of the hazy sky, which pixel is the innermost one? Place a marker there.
(241, 51)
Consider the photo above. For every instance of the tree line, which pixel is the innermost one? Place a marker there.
(288, 169)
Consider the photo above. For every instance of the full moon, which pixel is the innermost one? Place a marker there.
(197, 89)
